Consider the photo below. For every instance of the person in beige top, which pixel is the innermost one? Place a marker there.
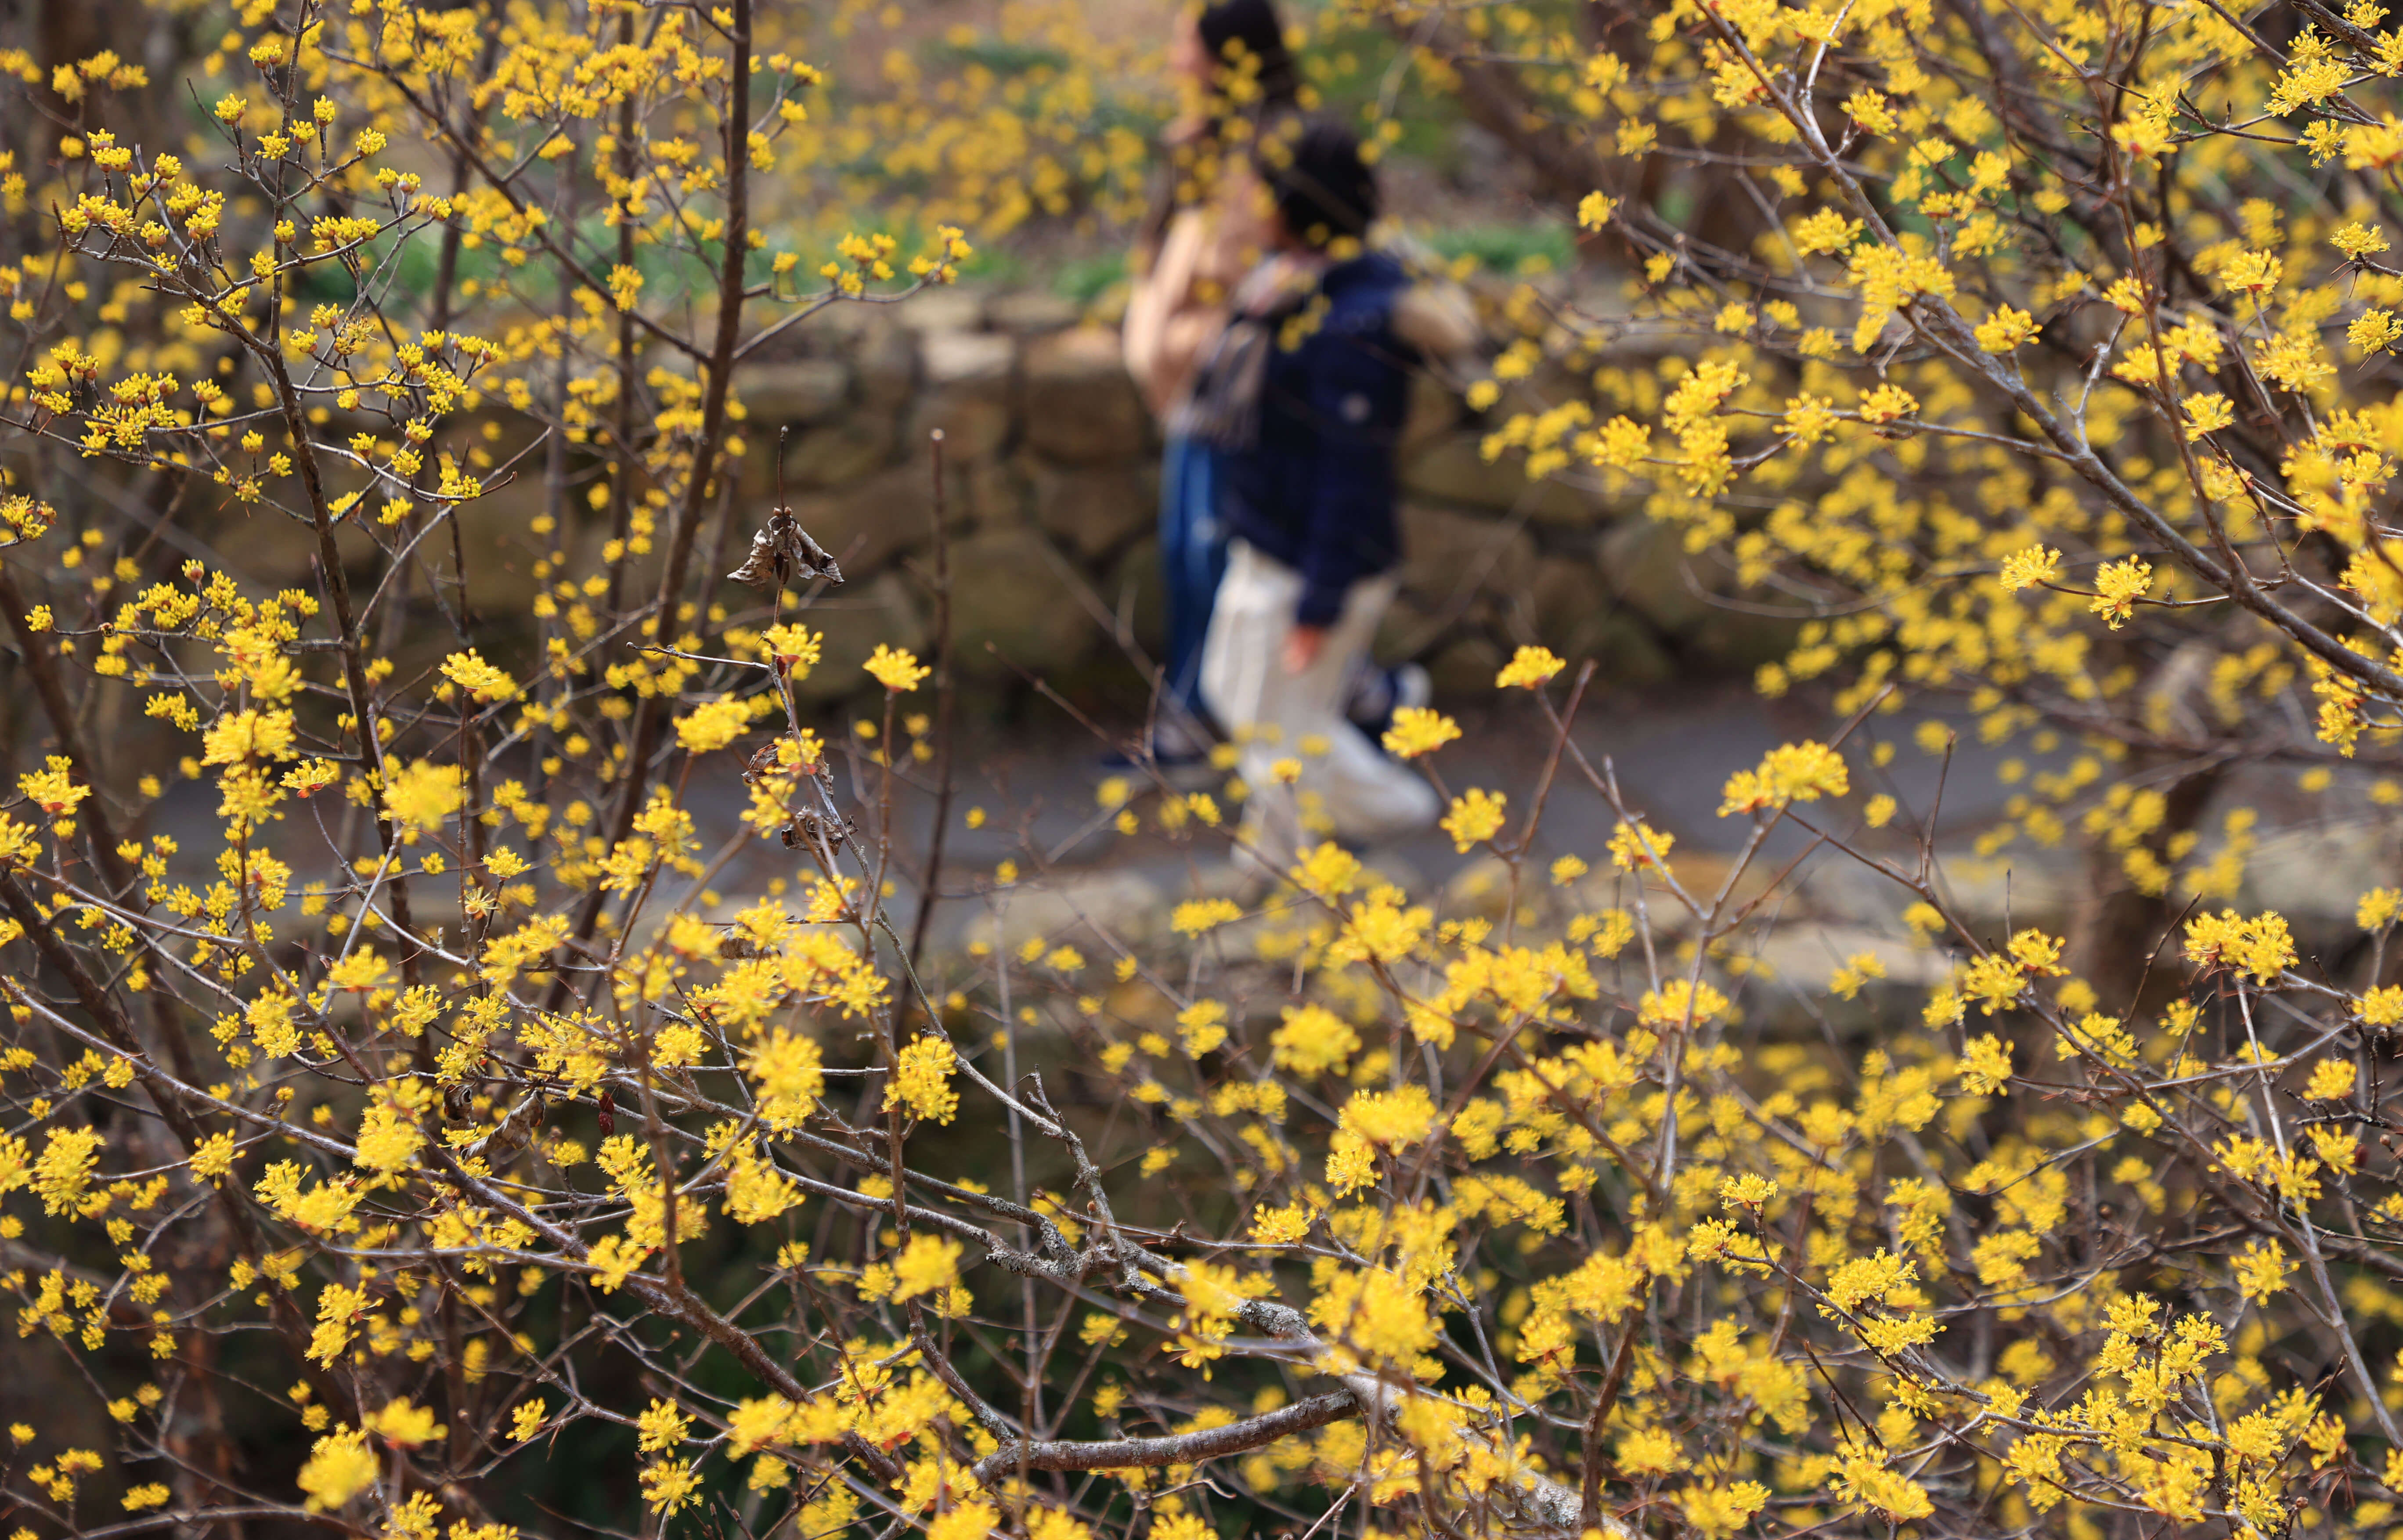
(1207, 229)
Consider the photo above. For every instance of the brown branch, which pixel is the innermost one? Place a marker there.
(651, 713)
(1184, 1448)
(945, 694)
(110, 1022)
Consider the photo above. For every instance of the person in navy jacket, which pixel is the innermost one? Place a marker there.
(1304, 398)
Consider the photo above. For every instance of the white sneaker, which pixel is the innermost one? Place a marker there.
(1378, 693)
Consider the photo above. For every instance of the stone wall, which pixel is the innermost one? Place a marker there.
(1052, 498)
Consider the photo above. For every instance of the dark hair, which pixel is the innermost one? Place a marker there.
(1323, 188)
(1234, 30)
(1230, 30)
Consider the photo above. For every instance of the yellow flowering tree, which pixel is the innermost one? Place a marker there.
(2067, 417)
(434, 1120)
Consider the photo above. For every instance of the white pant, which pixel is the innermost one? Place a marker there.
(1350, 788)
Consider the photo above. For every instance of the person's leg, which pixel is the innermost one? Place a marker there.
(1244, 684)
(1190, 557)
(1206, 555)
(1364, 793)
(1347, 785)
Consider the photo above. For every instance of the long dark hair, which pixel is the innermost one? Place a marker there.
(1235, 30)
(1236, 33)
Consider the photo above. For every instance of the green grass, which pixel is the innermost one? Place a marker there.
(1000, 56)
(1538, 245)
(1087, 279)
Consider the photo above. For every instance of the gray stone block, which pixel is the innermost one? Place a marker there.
(853, 618)
(834, 454)
(1031, 310)
(798, 391)
(965, 357)
(1451, 470)
(1009, 591)
(866, 525)
(1091, 509)
(1082, 404)
(942, 309)
(1449, 559)
(884, 357)
(1643, 566)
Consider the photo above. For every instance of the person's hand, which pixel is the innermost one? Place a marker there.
(1302, 645)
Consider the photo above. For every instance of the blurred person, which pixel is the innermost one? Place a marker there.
(1303, 401)
(1207, 228)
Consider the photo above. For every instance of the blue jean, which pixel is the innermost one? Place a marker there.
(1192, 560)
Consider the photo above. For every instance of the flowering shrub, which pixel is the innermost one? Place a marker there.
(437, 1119)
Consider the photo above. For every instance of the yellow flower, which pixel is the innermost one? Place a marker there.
(1202, 1026)
(1869, 110)
(661, 1427)
(2252, 272)
(1314, 1040)
(1715, 1511)
(423, 795)
(243, 735)
(965, 1522)
(65, 1168)
(388, 1140)
(1638, 844)
(2332, 1079)
(528, 1419)
(1752, 1190)
(2261, 946)
(1886, 403)
(406, 1425)
(1680, 1003)
(788, 1073)
(793, 648)
(1986, 1067)
(922, 1080)
(339, 1467)
(929, 1264)
(2027, 568)
(1792, 773)
(896, 669)
(1390, 1118)
(1417, 731)
(1529, 668)
(1475, 815)
(309, 777)
(670, 1486)
(2208, 412)
(2118, 587)
(212, 1157)
(2006, 330)
(470, 673)
(1280, 1226)
(712, 726)
(52, 787)
(1196, 916)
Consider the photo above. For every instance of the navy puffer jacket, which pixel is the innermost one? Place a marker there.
(1316, 489)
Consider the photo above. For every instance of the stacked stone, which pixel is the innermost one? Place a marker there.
(1053, 493)
(1054, 489)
